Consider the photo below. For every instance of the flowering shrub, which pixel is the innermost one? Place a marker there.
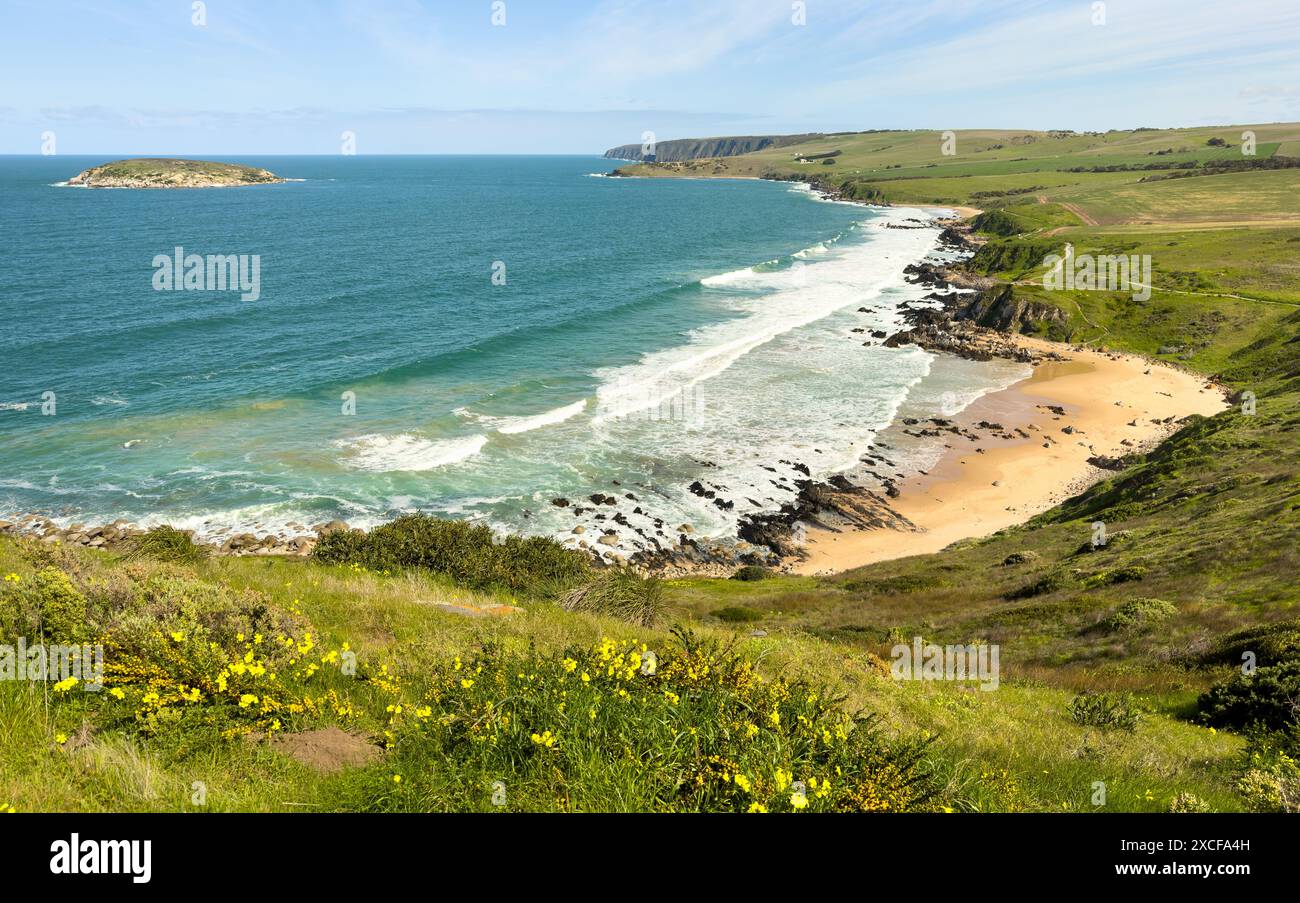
(621, 726)
(1269, 772)
(178, 652)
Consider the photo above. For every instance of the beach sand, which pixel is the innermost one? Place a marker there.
(971, 494)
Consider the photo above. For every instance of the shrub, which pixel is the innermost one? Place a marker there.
(467, 553)
(752, 572)
(1271, 644)
(46, 607)
(621, 593)
(343, 547)
(611, 727)
(1268, 774)
(1018, 558)
(1048, 583)
(1108, 711)
(1188, 802)
(1269, 698)
(166, 544)
(183, 658)
(1130, 574)
(1138, 613)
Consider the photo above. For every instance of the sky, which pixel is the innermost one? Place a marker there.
(253, 77)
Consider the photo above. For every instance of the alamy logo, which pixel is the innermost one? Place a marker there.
(928, 661)
(103, 857)
(1098, 273)
(667, 400)
(213, 273)
(69, 666)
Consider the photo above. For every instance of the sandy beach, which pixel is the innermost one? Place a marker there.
(1110, 405)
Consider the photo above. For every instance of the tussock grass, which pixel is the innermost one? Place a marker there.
(620, 593)
(166, 544)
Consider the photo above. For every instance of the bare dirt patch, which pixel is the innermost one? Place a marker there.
(327, 750)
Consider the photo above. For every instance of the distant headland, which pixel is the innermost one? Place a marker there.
(156, 172)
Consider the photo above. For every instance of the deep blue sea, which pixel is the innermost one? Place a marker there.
(470, 336)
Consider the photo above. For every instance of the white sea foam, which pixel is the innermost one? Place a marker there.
(405, 452)
(793, 297)
(14, 405)
(747, 274)
(514, 425)
(101, 400)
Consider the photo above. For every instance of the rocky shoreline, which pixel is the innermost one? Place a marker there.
(121, 533)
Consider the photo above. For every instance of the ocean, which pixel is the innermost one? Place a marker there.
(473, 337)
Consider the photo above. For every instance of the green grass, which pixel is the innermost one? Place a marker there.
(909, 167)
(954, 737)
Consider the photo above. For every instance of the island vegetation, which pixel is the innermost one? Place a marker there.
(154, 172)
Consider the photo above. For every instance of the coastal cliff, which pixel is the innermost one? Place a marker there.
(697, 148)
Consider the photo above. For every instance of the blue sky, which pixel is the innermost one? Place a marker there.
(578, 76)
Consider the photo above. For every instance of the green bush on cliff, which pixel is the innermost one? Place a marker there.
(1270, 644)
(1269, 698)
(45, 607)
(1138, 613)
(467, 553)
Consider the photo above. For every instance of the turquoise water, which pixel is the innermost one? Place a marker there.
(648, 334)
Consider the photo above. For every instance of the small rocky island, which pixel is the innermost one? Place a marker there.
(166, 173)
